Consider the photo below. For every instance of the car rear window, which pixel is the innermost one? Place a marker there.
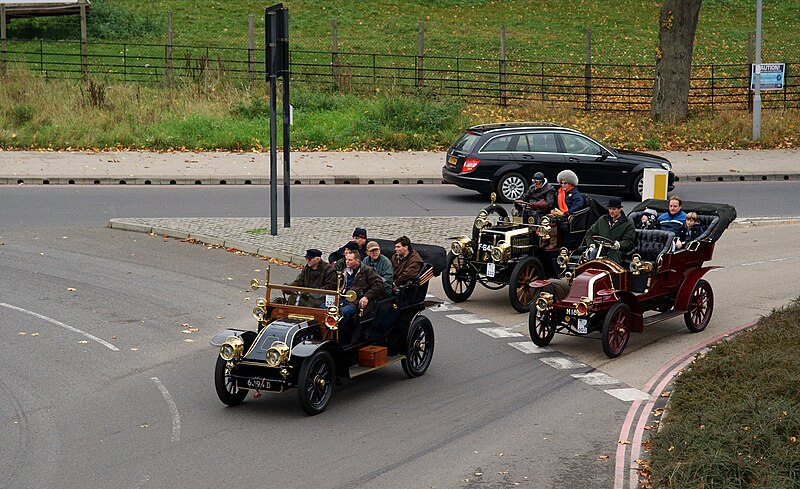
(466, 142)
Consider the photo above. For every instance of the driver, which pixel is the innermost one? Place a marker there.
(316, 274)
(538, 199)
(614, 227)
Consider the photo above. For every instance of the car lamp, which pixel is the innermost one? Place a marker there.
(500, 251)
(461, 246)
(583, 307)
(469, 165)
(544, 302)
(231, 348)
(277, 354)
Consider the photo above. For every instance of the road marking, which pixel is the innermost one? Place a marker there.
(628, 394)
(65, 326)
(596, 378)
(176, 417)
(529, 347)
(562, 363)
(499, 332)
(444, 307)
(468, 318)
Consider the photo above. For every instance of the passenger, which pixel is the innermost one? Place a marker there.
(539, 199)
(316, 274)
(649, 220)
(569, 200)
(674, 219)
(616, 227)
(340, 264)
(406, 262)
(380, 264)
(365, 281)
(360, 238)
(691, 232)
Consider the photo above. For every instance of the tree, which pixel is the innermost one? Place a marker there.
(677, 27)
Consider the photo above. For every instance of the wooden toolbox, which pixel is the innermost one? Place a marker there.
(372, 356)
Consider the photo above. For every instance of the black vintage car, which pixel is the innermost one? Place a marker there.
(504, 250)
(309, 347)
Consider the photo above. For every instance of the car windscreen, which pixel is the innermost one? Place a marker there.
(466, 142)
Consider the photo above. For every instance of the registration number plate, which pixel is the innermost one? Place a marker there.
(260, 384)
(452, 161)
(582, 326)
(490, 269)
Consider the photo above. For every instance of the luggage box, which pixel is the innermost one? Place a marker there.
(372, 356)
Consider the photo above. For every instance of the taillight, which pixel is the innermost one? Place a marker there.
(330, 321)
(582, 309)
(470, 164)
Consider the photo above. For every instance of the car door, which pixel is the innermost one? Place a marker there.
(598, 171)
(538, 151)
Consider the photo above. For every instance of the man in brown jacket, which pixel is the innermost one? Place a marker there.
(365, 281)
(406, 261)
(317, 274)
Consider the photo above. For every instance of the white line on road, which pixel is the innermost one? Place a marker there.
(176, 417)
(529, 347)
(628, 394)
(562, 363)
(65, 326)
(444, 307)
(468, 318)
(596, 378)
(499, 332)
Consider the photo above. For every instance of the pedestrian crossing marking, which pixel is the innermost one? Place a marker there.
(628, 394)
(562, 363)
(444, 306)
(596, 378)
(468, 318)
(529, 347)
(499, 332)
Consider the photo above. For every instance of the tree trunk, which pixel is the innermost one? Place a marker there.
(677, 27)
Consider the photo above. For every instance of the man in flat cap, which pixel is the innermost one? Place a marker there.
(340, 264)
(316, 274)
(615, 227)
(360, 238)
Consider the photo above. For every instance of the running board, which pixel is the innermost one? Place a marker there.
(662, 317)
(358, 370)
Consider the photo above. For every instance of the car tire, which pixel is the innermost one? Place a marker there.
(616, 329)
(540, 324)
(418, 347)
(637, 187)
(701, 307)
(315, 384)
(458, 283)
(511, 186)
(520, 294)
(227, 390)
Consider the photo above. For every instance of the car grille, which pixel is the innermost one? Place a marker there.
(521, 244)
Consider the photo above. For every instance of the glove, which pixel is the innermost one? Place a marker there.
(616, 245)
(592, 247)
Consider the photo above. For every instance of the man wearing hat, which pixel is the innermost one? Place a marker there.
(380, 264)
(360, 238)
(616, 227)
(340, 264)
(317, 274)
(539, 198)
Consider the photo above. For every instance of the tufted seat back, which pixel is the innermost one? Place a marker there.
(652, 242)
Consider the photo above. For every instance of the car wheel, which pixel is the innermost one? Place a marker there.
(701, 306)
(520, 293)
(419, 347)
(315, 384)
(511, 186)
(541, 326)
(638, 187)
(616, 329)
(458, 280)
(227, 390)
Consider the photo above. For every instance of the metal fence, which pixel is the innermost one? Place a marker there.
(606, 87)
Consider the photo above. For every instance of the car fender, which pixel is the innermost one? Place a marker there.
(630, 299)
(685, 290)
(509, 167)
(309, 347)
(220, 337)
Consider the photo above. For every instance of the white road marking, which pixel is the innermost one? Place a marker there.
(468, 318)
(529, 347)
(562, 363)
(628, 394)
(596, 378)
(499, 332)
(176, 417)
(444, 307)
(753, 263)
(65, 326)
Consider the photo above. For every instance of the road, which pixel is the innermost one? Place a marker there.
(106, 384)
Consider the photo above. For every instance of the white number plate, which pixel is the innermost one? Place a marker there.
(581, 325)
(490, 269)
(330, 300)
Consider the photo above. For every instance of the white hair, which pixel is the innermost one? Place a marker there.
(568, 176)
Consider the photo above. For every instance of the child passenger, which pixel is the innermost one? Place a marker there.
(691, 232)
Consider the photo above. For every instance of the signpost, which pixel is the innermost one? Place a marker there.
(276, 58)
(773, 76)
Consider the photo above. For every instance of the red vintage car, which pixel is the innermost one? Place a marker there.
(601, 296)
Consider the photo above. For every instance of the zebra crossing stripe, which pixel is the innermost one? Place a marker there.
(468, 318)
(562, 363)
(628, 394)
(529, 347)
(596, 378)
(499, 332)
(444, 307)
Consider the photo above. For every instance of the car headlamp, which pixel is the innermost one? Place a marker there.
(231, 348)
(482, 220)
(499, 251)
(583, 307)
(544, 302)
(277, 354)
(563, 258)
(456, 247)
(461, 246)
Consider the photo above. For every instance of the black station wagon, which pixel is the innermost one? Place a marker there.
(503, 157)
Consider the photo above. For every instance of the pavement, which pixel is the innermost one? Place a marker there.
(251, 235)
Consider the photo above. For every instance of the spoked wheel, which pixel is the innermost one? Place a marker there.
(511, 186)
(701, 306)
(315, 385)
(541, 325)
(227, 390)
(459, 279)
(616, 329)
(520, 293)
(419, 347)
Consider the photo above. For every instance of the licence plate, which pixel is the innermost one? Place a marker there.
(452, 161)
(261, 384)
(582, 325)
(490, 269)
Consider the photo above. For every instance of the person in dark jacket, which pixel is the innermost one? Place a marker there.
(360, 238)
(616, 227)
(362, 279)
(539, 199)
(649, 220)
(569, 199)
(380, 264)
(674, 219)
(406, 262)
(691, 232)
(340, 264)
(317, 274)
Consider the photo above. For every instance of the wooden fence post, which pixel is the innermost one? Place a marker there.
(335, 54)
(169, 48)
(751, 50)
(420, 51)
(251, 60)
(84, 62)
(3, 39)
(588, 71)
(503, 98)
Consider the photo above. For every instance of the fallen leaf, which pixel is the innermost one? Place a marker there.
(22, 333)
(188, 340)
(220, 317)
(185, 325)
(34, 334)
(602, 457)
(624, 442)
(134, 349)
(71, 289)
(83, 342)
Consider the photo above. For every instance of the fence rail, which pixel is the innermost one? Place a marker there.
(603, 87)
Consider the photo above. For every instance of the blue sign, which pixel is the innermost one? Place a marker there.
(773, 76)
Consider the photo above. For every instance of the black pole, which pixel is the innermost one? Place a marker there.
(271, 36)
(284, 47)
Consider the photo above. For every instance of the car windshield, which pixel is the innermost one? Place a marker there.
(301, 296)
(466, 142)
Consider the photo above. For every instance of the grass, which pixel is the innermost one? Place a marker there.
(734, 416)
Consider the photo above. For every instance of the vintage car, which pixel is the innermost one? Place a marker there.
(309, 346)
(505, 250)
(601, 296)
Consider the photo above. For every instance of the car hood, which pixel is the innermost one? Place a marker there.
(639, 157)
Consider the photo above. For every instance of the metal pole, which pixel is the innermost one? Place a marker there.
(84, 65)
(251, 59)
(503, 99)
(283, 45)
(420, 53)
(588, 70)
(3, 38)
(169, 47)
(757, 95)
(272, 26)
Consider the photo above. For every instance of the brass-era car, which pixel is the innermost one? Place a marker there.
(309, 346)
(507, 250)
(601, 296)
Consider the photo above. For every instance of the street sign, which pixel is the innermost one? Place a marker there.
(773, 75)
